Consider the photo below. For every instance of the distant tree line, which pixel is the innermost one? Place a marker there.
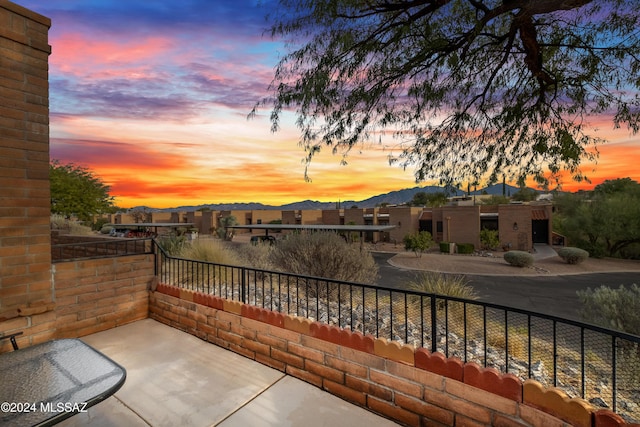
(605, 221)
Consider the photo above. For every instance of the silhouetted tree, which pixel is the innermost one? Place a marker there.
(470, 88)
(77, 192)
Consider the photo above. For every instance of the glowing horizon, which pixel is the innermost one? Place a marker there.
(154, 100)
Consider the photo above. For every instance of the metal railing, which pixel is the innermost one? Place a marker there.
(101, 249)
(597, 364)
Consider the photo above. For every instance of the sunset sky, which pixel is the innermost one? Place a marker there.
(153, 97)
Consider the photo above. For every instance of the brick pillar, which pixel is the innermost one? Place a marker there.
(25, 238)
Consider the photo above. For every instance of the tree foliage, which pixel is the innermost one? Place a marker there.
(489, 239)
(525, 194)
(223, 231)
(77, 192)
(602, 222)
(418, 242)
(468, 87)
(419, 199)
(496, 200)
(141, 215)
(612, 308)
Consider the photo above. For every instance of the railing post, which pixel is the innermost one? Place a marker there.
(434, 329)
(243, 284)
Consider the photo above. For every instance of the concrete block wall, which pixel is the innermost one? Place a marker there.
(408, 385)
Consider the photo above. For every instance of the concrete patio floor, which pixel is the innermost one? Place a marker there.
(176, 379)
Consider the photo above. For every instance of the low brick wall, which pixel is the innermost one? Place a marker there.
(100, 294)
(408, 385)
(88, 296)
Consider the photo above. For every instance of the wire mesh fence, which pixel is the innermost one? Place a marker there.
(107, 248)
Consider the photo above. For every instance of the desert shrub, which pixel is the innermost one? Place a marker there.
(443, 284)
(465, 248)
(210, 250)
(612, 308)
(223, 231)
(489, 239)
(519, 258)
(444, 247)
(324, 255)
(59, 222)
(418, 242)
(106, 229)
(78, 229)
(256, 255)
(617, 309)
(573, 255)
(172, 244)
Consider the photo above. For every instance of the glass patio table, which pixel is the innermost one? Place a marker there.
(48, 382)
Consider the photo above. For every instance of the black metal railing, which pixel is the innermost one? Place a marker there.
(597, 364)
(101, 249)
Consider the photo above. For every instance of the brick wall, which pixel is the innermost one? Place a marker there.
(89, 296)
(400, 382)
(25, 248)
(100, 294)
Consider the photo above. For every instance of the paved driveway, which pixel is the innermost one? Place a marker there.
(548, 294)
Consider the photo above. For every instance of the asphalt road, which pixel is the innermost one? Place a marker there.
(552, 295)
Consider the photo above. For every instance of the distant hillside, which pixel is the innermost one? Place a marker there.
(496, 190)
(398, 197)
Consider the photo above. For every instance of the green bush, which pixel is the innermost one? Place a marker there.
(573, 255)
(418, 242)
(465, 248)
(324, 255)
(489, 239)
(106, 229)
(444, 247)
(99, 223)
(519, 258)
(612, 308)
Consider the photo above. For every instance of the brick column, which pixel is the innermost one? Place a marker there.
(25, 242)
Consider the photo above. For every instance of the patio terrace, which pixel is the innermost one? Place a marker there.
(174, 383)
(175, 379)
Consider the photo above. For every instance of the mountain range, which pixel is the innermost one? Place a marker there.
(397, 197)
